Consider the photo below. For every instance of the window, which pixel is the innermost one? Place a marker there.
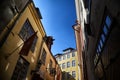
(34, 43)
(68, 75)
(63, 76)
(107, 25)
(103, 37)
(50, 64)
(108, 21)
(20, 4)
(95, 59)
(64, 57)
(26, 32)
(97, 51)
(63, 66)
(21, 69)
(99, 48)
(68, 55)
(68, 64)
(101, 43)
(60, 65)
(73, 63)
(60, 58)
(105, 30)
(43, 57)
(104, 34)
(73, 54)
(73, 74)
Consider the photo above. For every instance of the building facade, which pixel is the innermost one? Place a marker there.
(58, 72)
(101, 46)
(103, 43)
(79, 27)
(25, 49)
(68, 62)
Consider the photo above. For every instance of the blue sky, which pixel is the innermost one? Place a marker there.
(58, 18)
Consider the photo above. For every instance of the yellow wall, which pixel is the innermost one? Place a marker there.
(43, 68)
(70, 69)
(13, 42)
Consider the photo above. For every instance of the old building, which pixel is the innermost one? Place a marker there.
(102, 39)
(58, 72)
(99, 21)
(80, 36)
(68, 62)
(25, 49)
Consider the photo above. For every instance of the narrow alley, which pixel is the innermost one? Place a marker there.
(59, 40)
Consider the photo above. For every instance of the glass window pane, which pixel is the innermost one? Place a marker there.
(97, 51)
(64, 57)
(21, 69)
(34, 43)
(60, 58)
(68, 55)
(103, 37)
(73, 63)
(73, 54)
(108, 21)
(68, 75)
(73, 74)
(105, 30)
(26, 30)
(63, 66)
(99, 48)
(43, 57)
(101, 43)
(68, 64)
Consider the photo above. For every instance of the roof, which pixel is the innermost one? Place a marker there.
(68, 49)
(58, 54)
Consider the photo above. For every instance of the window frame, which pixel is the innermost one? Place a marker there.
(63, 65)
(68, 75)
(29, 31)
(68, 64)
(68, 55)
(64, 57)
(21, 63)
(60, 58)
(73, 63)
(106, 35)
(74, 74)
(73, 54)
(43, 56)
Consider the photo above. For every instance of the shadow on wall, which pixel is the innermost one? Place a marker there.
(67, 76)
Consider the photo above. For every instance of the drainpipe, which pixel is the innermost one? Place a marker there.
(78, 36)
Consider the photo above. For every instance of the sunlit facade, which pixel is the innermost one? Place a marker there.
(68, 62)
(25, 49)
